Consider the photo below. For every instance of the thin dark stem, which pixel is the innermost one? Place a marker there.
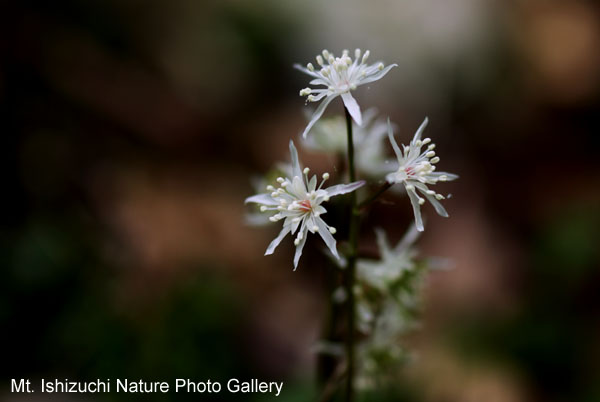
(326, 363)
(351, 268)
(375, 195)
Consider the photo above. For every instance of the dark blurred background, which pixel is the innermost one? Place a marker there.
(130, 131)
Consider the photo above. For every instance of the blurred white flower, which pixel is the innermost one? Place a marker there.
(329, 135)
(392, 262)
(298, 203)
(340, 75)
(415, 170)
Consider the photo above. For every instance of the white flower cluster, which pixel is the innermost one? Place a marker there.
(416, 170)
(297, 202)
(387, 288)
(388, 300)
(387, 293)
(339, 76)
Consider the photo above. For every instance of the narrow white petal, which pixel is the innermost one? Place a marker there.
(318, 113)
(327, 237)
(305, 70)
(277, 240)
(299, 248)
(439, 208)
(414, 200)
(449, 176)
(296, 170)
(397, 150)
(264, 199)
(298, 188)
(411, 235)
(379, 75)
(312, 184)
(352, 107)
(344, 188)
(382, 242)
(421, 129)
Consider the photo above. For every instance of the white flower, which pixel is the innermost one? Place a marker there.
(298, 203)
(329, 135)
(416, 169)
(392, 263)
(340, 75)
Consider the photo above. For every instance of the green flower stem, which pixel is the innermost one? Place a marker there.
(351, 268)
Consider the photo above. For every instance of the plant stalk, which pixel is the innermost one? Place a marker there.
(351, 268)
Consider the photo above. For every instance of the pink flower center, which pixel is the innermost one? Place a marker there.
(305, 205)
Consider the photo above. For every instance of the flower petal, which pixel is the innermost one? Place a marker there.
(327, 237)
(305, 70)
(298, 189)
(411, 235)
(344, 188)
(397, 150)
(277, 240)
(420, 130)
(449, 176)
(439, 208)
(379, 75)
(296, 170)
(352, 107)
(414, 200)
(382, 241)
(264, 199)
(299, 248)
(318, 113)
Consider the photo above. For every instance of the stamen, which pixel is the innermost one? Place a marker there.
(332, 230)
(366, 56)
